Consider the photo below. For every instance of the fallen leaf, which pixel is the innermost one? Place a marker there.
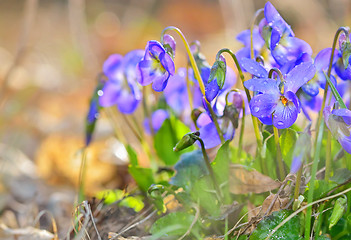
(243, 181)
(27, 233)
(279, 204)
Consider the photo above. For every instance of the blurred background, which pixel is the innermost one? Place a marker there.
(50, 54)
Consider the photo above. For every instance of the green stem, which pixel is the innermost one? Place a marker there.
(313, 176)
(82, 175)
(298, 183)
(209, 168)
(188, 87)
(254, 119)
(257, 13)
(242, 127)
(279, 154)
(328, 161)
(341, 29)
(197, 76)
(319, 219)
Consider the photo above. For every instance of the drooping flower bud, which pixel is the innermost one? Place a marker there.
(187, 140)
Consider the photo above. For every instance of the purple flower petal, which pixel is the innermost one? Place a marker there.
(344, 113)
(209, 135)
(254, 68)
(344, 74)
(262, 105)
(130, 61)
(167, 63)
(113, 65)
(298, 76)
(244, 38)
(322, 59)
(264, 85)
(146, 74)
(154, 49)
(158, 117)
(289, 50)
(345, 142)
(285, 116)
(110, 94)
(160, 82)
(275, 20)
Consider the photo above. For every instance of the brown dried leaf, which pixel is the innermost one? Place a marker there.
(28, 233)
(279, 204)
(243, 181)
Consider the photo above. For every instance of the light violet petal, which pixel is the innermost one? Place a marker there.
(298, 76)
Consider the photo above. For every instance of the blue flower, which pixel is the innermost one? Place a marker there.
(344, 72)
(321, 63)
(339, 123)
(157, 119)
(156, 66)
(284, 46)
(279, 99)
(244, 38)
(122, 88)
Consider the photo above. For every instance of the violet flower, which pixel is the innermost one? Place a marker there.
(157, 65)
(339, 123)
(278, 98)
(122, 88)
(157, 118)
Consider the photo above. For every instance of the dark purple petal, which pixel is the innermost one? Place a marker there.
(160, 82)
(285, 116)
(230, 79)
(264, 85)
(167, 63)
(262, 105)
(209, 135)
(290, 50)
(254, 68)
(266, 120)
(211, 90)
(296, 163)
(322, 59)
(344, 74)
(275, 38)
(345, 143)
(127, 103)
(93, 113)
(275, 20)
(154, 49)
(311, 87)
(110, 93)
(298, 76)
(113, 66)
(344, 113)
(293, 98)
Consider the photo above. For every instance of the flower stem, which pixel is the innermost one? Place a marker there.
(313, 176)
(254, 119)
(197, 75)
(188, 87)
(242, 127)
(298, 182)
(279, 154)
(257, 13)
(328, 150)
(209, 168)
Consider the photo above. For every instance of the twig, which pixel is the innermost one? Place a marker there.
(197, 215)
(303, 208)
(87, 206)
(54, 225)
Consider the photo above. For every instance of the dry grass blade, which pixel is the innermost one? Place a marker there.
(53, 221)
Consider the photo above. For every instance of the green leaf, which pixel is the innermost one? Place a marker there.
(110, 196)
(190, 168)
(142, 176)
(133, 158)
(173, 224)
(341, 175)
(221, 170)
(171, 131)
(287, 142)
(135, 203)
(335, 92)
(290, 230)
(321, 187)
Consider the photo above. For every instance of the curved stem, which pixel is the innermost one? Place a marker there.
(209, 167)
(190, 96)
(197, 76)
(257, 13)
(277, 71)
(254, 119)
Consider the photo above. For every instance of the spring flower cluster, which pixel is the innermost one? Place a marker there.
(294, 102)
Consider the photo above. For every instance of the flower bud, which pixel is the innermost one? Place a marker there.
(188, 140)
